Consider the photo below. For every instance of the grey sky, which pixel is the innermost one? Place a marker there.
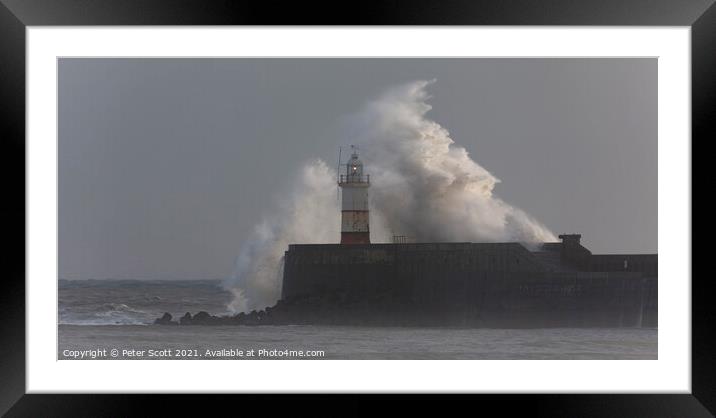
(165, 165)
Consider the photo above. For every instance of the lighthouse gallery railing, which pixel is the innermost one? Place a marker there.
(354, 179)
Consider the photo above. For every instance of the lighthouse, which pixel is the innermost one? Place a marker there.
(354, 209)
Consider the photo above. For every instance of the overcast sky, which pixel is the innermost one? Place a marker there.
(165, 165)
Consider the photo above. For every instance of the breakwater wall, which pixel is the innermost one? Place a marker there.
(462, 284)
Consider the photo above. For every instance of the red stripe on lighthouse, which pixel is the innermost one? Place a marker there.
(355, 238)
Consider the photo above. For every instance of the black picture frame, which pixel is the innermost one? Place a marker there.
(16, 15)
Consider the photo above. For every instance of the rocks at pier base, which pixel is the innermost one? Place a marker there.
(166, 319)
(204, 318)
(201, 318)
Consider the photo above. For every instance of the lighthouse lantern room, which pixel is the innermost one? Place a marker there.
(354, 210)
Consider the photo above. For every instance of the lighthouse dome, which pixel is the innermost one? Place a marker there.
(355, 166)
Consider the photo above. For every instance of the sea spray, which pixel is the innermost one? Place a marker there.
(427, 187)
(423, 186)
(303, 216)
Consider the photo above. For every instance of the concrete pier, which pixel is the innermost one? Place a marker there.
(471, 284)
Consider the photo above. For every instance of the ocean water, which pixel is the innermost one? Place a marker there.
(112, 319)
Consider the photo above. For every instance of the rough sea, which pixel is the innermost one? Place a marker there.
(112, 319)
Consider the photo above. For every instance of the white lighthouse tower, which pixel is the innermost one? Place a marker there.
(354, 210)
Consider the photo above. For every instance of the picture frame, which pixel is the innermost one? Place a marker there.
(16, 15)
